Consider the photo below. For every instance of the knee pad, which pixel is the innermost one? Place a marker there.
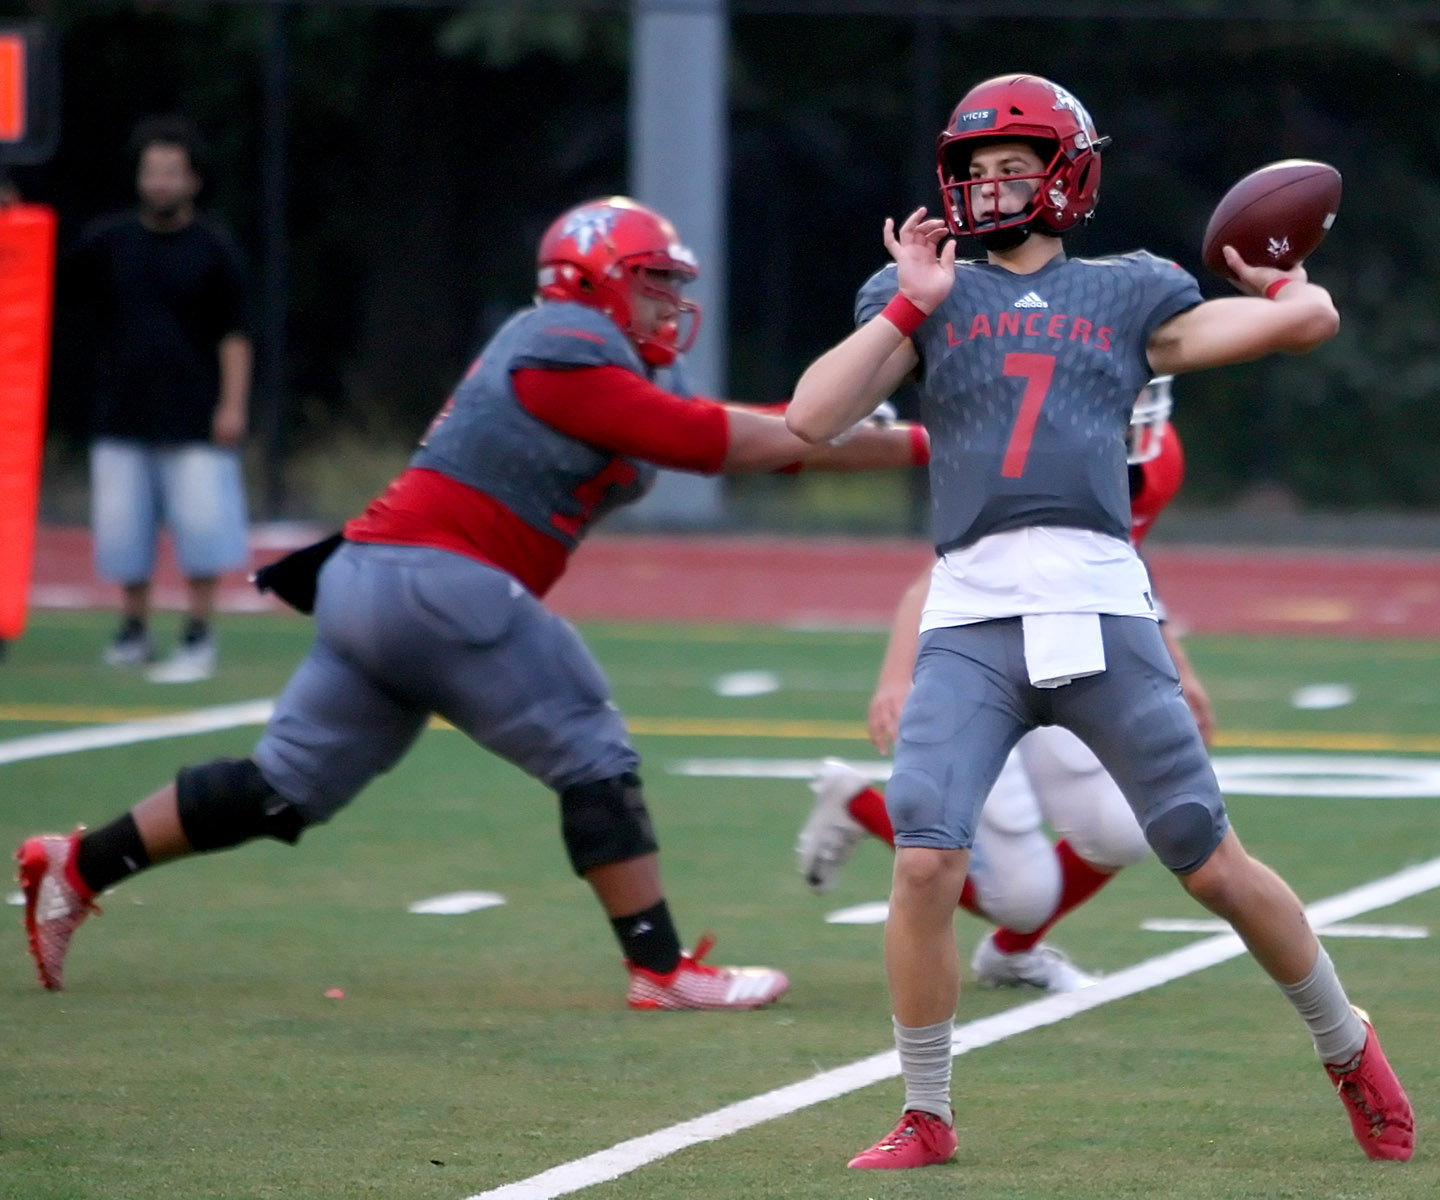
(605, 822)
(226, 802)
(1184, 836)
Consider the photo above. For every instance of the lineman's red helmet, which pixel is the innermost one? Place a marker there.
(1023, 108)
(602, 252)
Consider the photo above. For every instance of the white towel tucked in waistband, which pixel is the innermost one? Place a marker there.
(1060, 647)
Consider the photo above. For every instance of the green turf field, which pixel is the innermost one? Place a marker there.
(196, 1055)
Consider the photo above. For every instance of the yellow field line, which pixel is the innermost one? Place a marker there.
(771, 729)
(1295, 739)
(1235, 739)
(83, 714)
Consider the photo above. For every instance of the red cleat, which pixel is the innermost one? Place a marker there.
(692, 984)
(1379, 1110)
(56, 901)
(920, 1140)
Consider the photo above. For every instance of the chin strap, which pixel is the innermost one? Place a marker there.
(1006, 239)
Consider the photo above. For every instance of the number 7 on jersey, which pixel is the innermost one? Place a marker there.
(1037, 370)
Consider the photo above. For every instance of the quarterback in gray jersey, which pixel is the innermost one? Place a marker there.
(1039, 611)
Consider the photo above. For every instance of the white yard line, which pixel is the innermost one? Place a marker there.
(631, 1155)
(93, 737)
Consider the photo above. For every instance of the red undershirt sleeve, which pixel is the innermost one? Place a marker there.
(618, 411)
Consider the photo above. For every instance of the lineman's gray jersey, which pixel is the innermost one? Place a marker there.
(554, 483)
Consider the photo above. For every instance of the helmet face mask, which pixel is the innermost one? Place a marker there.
(1034, 111)
(677, 320)
(1145, 436)
(625, 260)
(977, 190)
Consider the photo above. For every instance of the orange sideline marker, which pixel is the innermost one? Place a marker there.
(27, 275)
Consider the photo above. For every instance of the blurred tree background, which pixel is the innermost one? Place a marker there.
(430, 143)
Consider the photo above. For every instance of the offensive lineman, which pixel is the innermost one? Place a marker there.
(431, 604)
(1039, 610)
(1017, 879)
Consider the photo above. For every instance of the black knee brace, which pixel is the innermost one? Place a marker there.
(226, 802)
(605, 822)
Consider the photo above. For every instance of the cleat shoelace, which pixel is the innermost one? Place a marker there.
(1360, 1098)
(897, 1140)
(702, 948)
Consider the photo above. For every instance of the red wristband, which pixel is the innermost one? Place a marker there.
(919, 446)
(904, 315)
(1275, 285)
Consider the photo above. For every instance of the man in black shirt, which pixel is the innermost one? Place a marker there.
(172, 377)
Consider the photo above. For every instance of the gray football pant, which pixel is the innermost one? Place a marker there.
(973, 699)
(403, 632)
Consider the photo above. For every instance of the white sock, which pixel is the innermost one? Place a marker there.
(1320, 1000)
(925, 1059)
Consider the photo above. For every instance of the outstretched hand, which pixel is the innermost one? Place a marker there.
(926, 268)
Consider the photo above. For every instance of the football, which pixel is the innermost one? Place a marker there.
(1275, 216)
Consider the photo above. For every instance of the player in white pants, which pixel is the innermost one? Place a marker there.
(1018, 879)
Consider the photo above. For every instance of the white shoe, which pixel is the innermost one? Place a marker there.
(131, 648)
(1042, 966)
(831, 834)
(190, 662)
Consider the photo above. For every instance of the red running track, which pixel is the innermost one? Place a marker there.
(848, 583)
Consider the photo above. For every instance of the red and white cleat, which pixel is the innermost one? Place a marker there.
(920, 1140)
(830, 834)
(56, 901)
(1379, 1111)
(693, 984)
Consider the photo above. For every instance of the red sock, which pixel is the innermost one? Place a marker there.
(1078, 882)
(868, 808)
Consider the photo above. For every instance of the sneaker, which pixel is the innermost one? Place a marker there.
(1042, 966)
(56, 901)
(694, 985)
(190, 662)
(132, 647)
(920, 1140)
(831, 834)
(1379, 1110)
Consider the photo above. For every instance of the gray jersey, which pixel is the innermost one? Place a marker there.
(1027, 382)
(484, 438)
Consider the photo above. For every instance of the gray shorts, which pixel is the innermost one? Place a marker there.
(973, 699)
(403, 632)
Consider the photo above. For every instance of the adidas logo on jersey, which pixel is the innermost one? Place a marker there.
(1031, 300)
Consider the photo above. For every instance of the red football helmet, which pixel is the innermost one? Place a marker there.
(1022, 108)
(603, 252)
